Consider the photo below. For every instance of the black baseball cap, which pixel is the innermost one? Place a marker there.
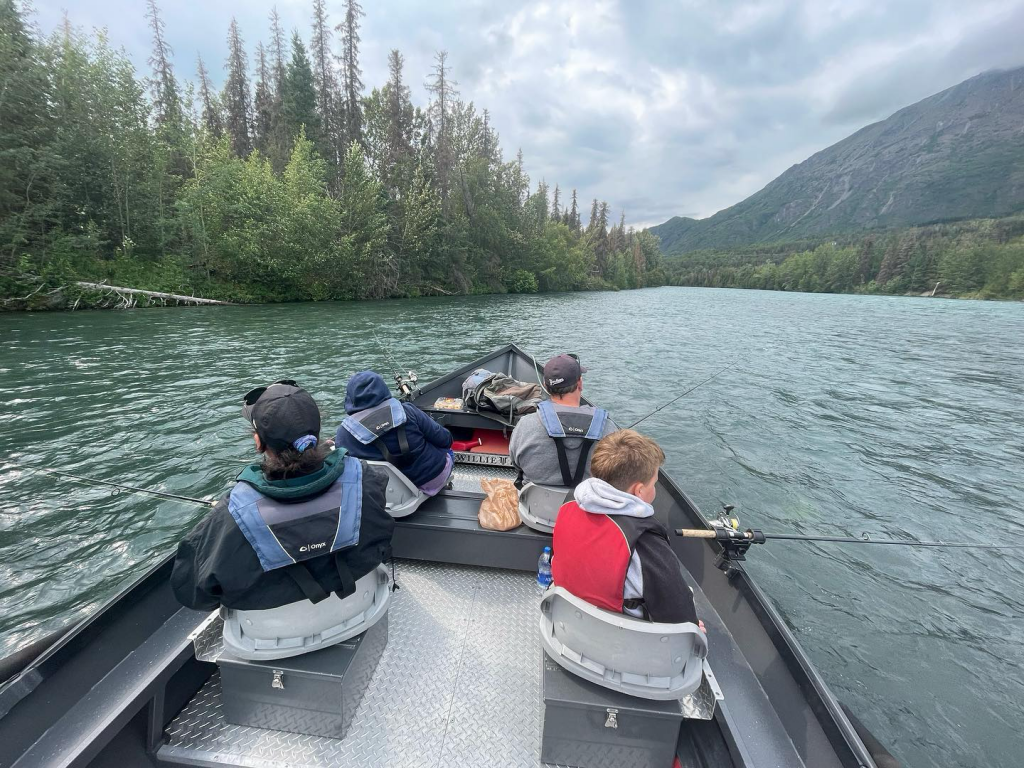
(282, 414)
(562, 371)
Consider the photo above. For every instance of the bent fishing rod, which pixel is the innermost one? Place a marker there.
(121, 487)
(699, 384)
(405, 383)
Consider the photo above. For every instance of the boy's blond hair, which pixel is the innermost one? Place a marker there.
(626, 457)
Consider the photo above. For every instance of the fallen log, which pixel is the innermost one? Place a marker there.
(150, 294)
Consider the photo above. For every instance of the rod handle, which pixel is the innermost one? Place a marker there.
(696, 533)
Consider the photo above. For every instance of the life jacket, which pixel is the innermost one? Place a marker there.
(562, 422)
(287, 534)
(370, 426)
(592, 554)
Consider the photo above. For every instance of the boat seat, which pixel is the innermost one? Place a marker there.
(402, 497)
(539, 505)
(640, 658)
(302, 627)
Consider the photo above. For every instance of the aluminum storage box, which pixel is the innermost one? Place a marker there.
(588, 726)
(315, 694)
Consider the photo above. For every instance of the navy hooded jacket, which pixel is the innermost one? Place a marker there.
(428, 442)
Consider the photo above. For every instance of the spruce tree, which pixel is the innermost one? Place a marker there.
(237, 101)
(442, 87)
(212, 119)
(263, 105)
(166, 99)
(574, 215)
(298, 97)
(555, 215)
(351, 75)
(326, 88)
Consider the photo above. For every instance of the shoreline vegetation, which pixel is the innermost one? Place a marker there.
(972, 259)
(294, 182)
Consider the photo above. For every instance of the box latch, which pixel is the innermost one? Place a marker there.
(612, 721)
(278, 681)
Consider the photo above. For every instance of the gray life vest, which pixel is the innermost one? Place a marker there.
(370, 426)
(563, 422)
(287, 534)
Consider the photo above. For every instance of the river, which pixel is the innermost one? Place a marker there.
(846, 414)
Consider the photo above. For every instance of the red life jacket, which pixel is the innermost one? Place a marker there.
(592, 553)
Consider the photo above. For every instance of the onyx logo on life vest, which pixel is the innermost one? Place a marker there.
(576, 430)
(382, 426)
(312, 547)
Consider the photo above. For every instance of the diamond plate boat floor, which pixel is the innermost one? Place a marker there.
(459, 684)
(467, 477)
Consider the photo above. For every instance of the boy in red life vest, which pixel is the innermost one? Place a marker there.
(608, 547)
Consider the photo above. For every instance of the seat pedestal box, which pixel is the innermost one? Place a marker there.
(315, 694)
(588, 726)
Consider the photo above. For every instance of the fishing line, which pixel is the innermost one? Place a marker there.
(130, 488)
(721, 370)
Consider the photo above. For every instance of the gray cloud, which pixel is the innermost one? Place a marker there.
(660, 108)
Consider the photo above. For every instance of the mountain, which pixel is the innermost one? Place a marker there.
(957, 154)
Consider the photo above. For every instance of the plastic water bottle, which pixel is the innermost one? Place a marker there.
(544, 567)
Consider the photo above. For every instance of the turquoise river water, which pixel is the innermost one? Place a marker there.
(840, 414)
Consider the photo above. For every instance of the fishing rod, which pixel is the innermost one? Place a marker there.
(721, 370)
(406, 382)
(735, 542)
(130, 488)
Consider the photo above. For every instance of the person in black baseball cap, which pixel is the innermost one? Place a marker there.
(306, 522)
(284, 418)
(552, 446)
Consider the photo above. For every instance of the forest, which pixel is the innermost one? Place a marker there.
(294, 181)
(977, 258)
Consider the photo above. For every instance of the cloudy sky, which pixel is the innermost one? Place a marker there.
(660, 108)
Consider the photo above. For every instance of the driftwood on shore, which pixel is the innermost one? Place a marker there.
(128, 295)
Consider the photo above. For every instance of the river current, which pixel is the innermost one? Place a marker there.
(838, 414)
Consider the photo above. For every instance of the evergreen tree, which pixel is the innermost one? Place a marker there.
(326, 87)
(212, 120)
(237, 101)
(442, 87)
(298, 94)
(263, 106)
(166, 99)
(27, 171)
(279, 145)
(555, 215)
(574, 216)
(351, 75)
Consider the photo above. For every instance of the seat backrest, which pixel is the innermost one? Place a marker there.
(402, 497)
(301, 627)
(539, 505)
(640, 658)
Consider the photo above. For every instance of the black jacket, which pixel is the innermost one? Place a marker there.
(215, 564)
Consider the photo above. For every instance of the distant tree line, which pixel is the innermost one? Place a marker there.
(981, 258)
(291, 183)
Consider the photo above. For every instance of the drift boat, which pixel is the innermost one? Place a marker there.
(462, 679)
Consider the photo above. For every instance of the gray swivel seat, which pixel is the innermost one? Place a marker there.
(539, 505)
(302, 627)
(402, 497)
(640, 658)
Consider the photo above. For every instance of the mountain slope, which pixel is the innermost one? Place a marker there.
(957, 154)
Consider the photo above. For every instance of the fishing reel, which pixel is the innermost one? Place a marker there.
(735, 542)
(406, 384)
